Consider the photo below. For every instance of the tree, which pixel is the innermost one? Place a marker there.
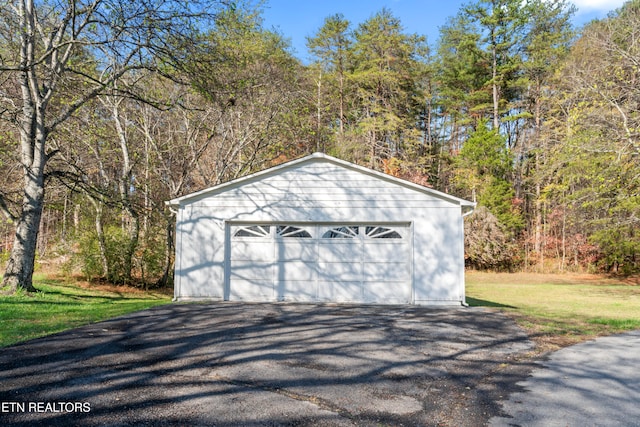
(461, 75)
(175, 139)
(66, 53)
(496, 62)
(386, 72)
(254, 84)
(594, 170)
(502, 23)
(485, 167)
(331, 46)
(547, 42)
(223, 113)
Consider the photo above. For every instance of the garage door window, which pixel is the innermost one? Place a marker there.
(291, 231)
(370, 232)
(382, 233)
(341, 233)
(253, 231)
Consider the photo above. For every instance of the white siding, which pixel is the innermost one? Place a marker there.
(317, 192)
(200, 254)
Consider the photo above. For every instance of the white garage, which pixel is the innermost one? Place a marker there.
(319, 229)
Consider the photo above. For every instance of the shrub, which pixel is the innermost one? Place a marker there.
(486, 244)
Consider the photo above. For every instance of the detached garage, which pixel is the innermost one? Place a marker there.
(319, 229)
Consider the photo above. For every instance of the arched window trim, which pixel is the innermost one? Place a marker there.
(288, 231)
(345, 232)
(379, 232)
(368, 232)
(253, 231)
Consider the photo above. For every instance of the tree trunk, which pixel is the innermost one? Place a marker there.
(19, 271)
(494, 89)
(538, 244)
(33, 137)
(134, 239)
(102, 244)
(341, 103)
(319, 114)
(167, 278)
(126, 179)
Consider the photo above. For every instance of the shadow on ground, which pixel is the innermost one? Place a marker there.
(230, 364)
(476, 302)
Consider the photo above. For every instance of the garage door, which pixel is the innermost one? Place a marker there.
(344, 263)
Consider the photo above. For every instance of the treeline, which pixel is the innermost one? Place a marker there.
(511, 107)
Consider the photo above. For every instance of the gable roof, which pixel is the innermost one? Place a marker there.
(322, 158)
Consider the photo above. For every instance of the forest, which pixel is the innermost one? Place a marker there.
(109, 108)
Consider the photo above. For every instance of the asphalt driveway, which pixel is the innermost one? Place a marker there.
(594, 383)
(228, 364)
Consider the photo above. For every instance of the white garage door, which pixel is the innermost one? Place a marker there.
(342, 263)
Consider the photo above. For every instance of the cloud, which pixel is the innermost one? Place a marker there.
(597, 5)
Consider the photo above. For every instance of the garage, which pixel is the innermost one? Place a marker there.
(320, 263)
(320, 229)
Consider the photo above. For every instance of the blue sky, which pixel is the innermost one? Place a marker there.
(296, 19)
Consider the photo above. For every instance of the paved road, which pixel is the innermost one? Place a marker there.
(596, 383)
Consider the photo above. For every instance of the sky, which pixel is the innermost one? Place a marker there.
(297, 19)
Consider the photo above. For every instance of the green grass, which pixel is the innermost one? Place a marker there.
(62, 306)
(560, 309)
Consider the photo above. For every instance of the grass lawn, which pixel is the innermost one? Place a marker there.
(559, 310)
(63, 306)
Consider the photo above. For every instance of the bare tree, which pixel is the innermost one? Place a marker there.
(174, 142)
(63, 54)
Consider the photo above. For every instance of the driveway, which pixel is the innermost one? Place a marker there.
(595, 383)
(229, 364)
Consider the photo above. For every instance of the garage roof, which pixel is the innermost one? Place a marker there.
(467, 206)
